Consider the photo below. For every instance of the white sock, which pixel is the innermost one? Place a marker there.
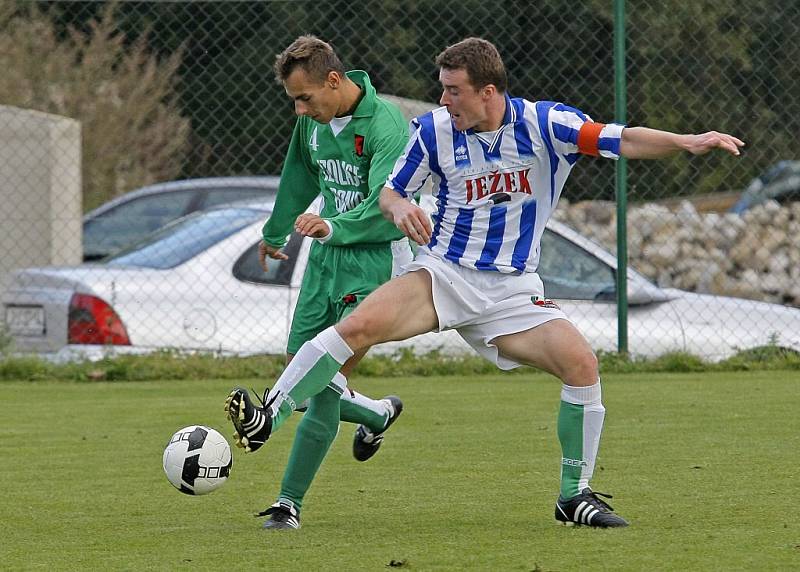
(377, 406)
(339, 384)
(328, 342)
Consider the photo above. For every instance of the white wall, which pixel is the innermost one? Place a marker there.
(40, 190)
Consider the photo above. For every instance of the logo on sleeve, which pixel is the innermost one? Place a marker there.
(359, 145)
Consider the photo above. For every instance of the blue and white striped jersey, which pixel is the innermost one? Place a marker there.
(495, 191)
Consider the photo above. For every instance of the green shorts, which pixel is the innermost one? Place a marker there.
(337, 278)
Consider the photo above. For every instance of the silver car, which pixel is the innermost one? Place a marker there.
(197, 285)
(125, 220)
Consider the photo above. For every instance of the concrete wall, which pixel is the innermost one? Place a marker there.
(410, 107)
(40, 190)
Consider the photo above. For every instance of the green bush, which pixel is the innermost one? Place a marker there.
(176, 366)
(133, 131)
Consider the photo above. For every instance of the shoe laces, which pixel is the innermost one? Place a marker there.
(276, 512)
(598, 502)
(263, 398)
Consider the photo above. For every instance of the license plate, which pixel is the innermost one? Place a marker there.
(25, 320)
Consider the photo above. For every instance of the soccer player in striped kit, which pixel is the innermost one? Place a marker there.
(498, 166)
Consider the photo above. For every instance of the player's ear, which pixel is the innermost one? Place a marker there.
(334, 79)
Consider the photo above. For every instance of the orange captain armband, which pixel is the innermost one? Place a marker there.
(588, 138)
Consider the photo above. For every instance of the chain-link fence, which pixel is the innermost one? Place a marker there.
(137, 93)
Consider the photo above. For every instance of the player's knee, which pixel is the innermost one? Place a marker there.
(583, 370)
(356, 330)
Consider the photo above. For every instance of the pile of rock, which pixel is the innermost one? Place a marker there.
(756, 255)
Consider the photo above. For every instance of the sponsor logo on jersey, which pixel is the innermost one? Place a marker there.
(339, 172)
(498, 182)
(359, 145)
(461, 156)
(346, 200)
(502, 165)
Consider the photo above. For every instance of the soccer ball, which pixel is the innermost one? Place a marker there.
(197, 460)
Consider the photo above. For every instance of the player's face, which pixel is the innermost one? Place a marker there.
(312, 98)
(466, 104)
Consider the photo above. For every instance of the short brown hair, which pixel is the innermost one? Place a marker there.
(480, 59)
(314, 56)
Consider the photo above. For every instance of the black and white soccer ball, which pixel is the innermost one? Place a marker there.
(197, 460)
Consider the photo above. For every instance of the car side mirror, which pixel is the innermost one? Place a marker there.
(641, 293)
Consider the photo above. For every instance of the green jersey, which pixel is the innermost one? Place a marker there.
(346, 161)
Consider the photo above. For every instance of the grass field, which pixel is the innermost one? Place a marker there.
(704, 465)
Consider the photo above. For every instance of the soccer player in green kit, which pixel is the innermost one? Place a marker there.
(344, 145)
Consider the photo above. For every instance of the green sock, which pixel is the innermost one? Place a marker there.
(314, 376)
(360, 409)
(315, 433)
(570, 434)
(580, 423)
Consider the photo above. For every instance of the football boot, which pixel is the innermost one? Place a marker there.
(587, 508)
(282, 516)
(253, 423)
(365, 442)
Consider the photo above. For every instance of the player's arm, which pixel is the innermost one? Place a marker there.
(645, 143)
(298, 188)
(365, 223)
(574, 132)
(406, 215)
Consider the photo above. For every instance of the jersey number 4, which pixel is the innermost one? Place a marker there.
(313, 141)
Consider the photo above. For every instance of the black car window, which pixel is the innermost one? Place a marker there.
(131, 221)
(248, 267)
(223, 196)
(186, 238)
(789, 197)
(571, 273)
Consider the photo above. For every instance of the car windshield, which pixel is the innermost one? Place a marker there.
(128, 222)
(571, 273)
(185, 238)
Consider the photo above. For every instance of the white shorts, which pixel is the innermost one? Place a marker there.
(482, 305)
(401, 256)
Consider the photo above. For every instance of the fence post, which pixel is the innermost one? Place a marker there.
(621, 179)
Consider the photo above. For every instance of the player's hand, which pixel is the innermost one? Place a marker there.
(704, 142)
(412, 221)
(265, 250)
(311, 225)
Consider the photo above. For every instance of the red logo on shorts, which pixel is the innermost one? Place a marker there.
(544, 302)
(349, 299)
(359, 144)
